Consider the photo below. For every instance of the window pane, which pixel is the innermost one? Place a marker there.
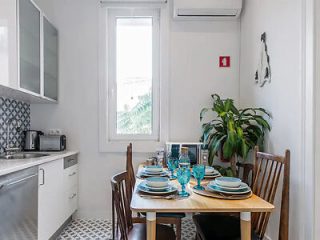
(134, 75)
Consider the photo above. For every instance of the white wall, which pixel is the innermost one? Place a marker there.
(195, 74)
(193, 77)
(281, 20)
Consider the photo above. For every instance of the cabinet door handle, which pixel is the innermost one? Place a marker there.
(41, 169)
(73, 196)
(72, 174)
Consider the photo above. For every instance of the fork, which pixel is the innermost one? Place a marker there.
(168, 197)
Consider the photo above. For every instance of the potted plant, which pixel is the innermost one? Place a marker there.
(234, 132)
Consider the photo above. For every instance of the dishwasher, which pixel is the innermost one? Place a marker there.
(18, 205)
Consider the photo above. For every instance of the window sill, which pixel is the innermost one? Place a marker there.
(138, 146)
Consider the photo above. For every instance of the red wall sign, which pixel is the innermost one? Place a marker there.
(224, 61)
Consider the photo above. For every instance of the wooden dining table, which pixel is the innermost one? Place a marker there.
(196, 203)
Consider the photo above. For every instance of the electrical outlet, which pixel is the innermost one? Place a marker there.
(54, 131)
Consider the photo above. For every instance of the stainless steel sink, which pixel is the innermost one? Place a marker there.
(22, 156)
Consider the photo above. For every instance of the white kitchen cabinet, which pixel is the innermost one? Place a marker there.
(58, 194)
(28, 51)
(50, 199)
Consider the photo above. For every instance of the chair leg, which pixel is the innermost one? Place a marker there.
(197, 237)
(178, 229)
(113, 219)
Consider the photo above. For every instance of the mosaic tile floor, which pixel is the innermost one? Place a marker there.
(81, 229)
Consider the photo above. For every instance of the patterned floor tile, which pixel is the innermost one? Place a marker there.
(82, 229)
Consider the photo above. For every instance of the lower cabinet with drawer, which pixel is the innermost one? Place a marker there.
(70, 178)
(57, 195)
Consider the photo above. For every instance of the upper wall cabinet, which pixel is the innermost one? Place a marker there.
(28, 52)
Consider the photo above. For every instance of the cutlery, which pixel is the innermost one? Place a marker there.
(168, 197)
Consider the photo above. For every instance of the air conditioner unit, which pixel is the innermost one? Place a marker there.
(207, 9)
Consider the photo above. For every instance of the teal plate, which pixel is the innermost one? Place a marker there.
(213, 186)
(243, 186)
(143, 188)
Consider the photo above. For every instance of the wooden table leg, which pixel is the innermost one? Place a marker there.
(151, 225)
(245, 225)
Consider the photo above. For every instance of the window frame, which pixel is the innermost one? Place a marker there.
(113, 15)
(140, 146)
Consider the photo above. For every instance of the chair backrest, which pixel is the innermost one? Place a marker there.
(246, 172)
(129, 167)
(267, 171)
(121, 194)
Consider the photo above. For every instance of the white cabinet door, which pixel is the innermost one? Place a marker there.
(29, 46)
(50, 60)
(51, 199)
(8, 48)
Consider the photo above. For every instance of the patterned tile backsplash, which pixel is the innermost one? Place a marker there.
(19, 114)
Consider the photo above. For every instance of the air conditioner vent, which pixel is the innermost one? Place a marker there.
(207, 9)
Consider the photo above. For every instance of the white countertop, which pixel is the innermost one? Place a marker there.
(10, 166)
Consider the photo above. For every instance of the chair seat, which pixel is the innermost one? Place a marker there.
(139, 230)
(219, 227)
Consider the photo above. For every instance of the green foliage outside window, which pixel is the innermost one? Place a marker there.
(138, 120)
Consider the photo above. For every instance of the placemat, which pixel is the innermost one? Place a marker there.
(212, 194)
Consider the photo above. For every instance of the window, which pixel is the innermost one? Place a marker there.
(133, 74)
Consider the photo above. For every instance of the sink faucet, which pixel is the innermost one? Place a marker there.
(8, 149)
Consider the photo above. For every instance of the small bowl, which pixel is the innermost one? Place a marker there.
(157, 182)
(153, 169)
(228, 182)
(209, 170)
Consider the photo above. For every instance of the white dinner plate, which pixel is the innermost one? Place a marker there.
(144, 189)
(153, 169)
(147, 174)
(215, 172)
(216, 188)
(153, 173)
(145, 184)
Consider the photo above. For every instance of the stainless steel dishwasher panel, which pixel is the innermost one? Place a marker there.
(19, 205)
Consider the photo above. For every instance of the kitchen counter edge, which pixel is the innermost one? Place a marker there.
(10, 166)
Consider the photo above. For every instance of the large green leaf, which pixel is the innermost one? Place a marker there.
(228, 150)
(244, 149)
(228, 105)
(203, 111)
(262, 122)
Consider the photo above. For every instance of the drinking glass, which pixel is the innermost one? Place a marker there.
(198, 173)
(172, 164)
(184, 176)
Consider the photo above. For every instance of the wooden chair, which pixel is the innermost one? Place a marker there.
(131, 183)
(164, 218)
(132, 228)
(267, 170)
